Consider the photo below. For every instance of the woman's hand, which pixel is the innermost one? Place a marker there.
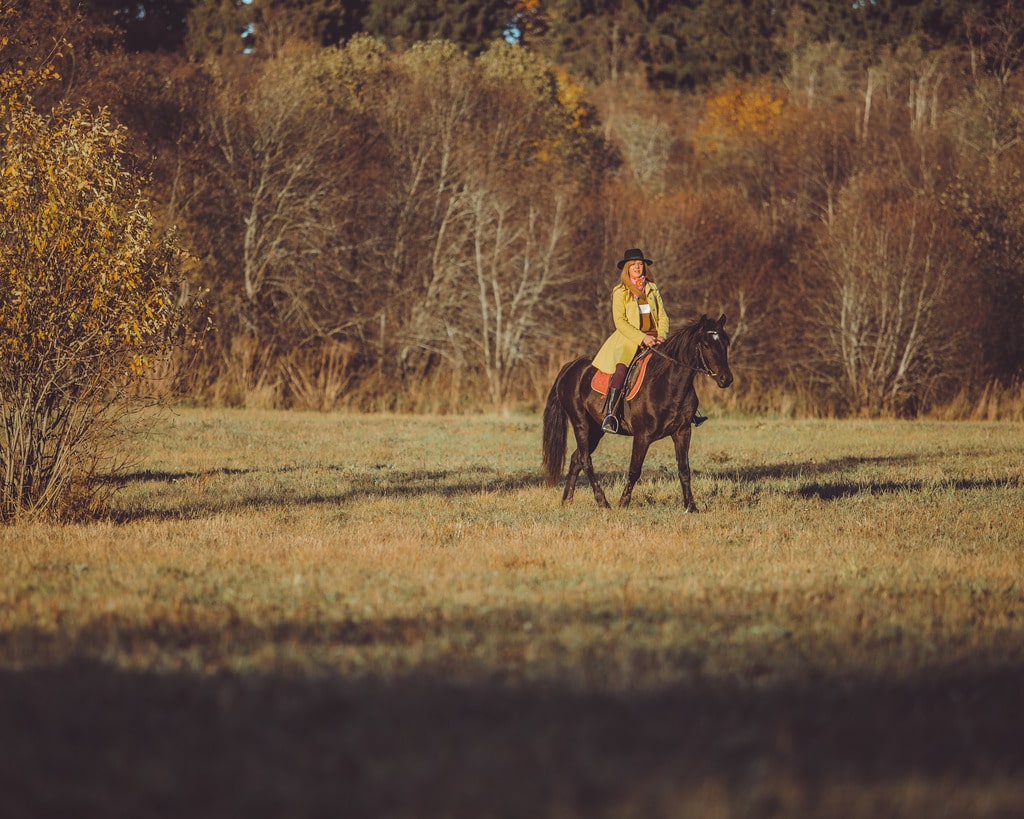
(650, 340)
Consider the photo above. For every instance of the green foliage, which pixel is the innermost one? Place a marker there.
(469, 23)
(148, 25)
(882, 23)
(215, 27)
(693, 43)
(718, 38)
(88, 299)
(674, 44)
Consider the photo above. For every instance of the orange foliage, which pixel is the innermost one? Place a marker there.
(741, 113)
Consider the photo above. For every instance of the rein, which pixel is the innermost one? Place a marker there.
(701, 368)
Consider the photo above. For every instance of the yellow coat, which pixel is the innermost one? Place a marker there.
(621, 345)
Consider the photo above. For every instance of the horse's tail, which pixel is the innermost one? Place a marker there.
(555, 422)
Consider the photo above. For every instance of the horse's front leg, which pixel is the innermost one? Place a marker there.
(641, 443)
(587, 438)
(681, 439)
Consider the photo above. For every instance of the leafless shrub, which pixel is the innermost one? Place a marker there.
(893, 275)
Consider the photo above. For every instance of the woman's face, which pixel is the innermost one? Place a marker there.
(636, 270)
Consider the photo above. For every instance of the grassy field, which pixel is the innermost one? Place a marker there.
(291, 615)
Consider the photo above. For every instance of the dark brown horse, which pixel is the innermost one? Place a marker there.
(664, 406)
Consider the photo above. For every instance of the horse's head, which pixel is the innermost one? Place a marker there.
(713, 348)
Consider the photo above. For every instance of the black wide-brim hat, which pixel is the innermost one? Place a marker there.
(634, 254)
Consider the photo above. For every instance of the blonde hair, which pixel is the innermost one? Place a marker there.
(626, 282)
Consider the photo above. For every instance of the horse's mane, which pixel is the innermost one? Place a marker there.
(679, 343)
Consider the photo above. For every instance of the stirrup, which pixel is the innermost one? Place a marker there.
(610, 424)
(699, 419)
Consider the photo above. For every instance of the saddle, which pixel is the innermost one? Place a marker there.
(634, 377)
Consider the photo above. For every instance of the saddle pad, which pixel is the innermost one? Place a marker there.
(599, 383)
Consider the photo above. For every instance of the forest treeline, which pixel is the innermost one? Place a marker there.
(419, 206)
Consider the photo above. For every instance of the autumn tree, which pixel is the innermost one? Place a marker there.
(89, 298)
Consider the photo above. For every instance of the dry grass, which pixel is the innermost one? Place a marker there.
(302, 614)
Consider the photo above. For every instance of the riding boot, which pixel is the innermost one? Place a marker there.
(698, 419)
(611, 420)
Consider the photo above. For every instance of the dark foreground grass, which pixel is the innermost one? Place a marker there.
(83, 739)
(305, 616)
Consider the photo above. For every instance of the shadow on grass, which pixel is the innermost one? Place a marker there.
(86, 740)
(828, 479)
(381, 481)
(836, 491)
(800, 470)
(159, 476)
(821, 479)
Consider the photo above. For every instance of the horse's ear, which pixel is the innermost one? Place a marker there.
(721, 321)
(703, 320)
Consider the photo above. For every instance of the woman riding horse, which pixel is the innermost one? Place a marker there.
(665, 405)
(641, 322)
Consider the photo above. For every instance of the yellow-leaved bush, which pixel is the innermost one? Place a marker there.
(90, 298)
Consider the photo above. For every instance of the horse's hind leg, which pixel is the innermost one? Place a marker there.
(587, 440)
(575, 464)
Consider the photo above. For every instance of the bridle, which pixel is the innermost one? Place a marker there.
(702, 367)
